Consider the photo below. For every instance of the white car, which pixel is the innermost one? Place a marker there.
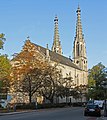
(100, 103)
(3, 103)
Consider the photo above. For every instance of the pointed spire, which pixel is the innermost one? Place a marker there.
(56, 44)
(79, 49)
(79, 34)
(56, 32)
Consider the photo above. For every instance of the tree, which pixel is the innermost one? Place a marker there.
(33, 76)
(2, 39)
(4, 66)
(80, 91)
(26, 71)
(55, 85)
(44, 79)
(25, 76)
(30, 70)
(5, 69)
(95, 78)
(31, 82)
(4, 61)
(51, 83)
(68, 84)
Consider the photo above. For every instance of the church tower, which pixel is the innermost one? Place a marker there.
(56, 47)
(79, 49)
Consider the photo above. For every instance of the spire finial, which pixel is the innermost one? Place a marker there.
(78, 9)
(56, 18)
(28, 37)
(47, 46)
(78, 6)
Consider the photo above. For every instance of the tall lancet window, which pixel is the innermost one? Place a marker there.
(81, 47)
(77, 46)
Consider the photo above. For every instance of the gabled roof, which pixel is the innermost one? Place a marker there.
(57, 57)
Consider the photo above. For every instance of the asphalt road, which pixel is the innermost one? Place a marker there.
(73, 113)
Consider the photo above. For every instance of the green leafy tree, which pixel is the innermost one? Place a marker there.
(4, 66)
(4, 61)
(5, 69)
(95, 79)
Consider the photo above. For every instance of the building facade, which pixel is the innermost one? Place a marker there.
(76, 67)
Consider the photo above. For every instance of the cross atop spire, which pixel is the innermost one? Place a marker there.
(78, 9)
(28, 38)
(56, 47)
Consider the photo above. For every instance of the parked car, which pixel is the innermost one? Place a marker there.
(92, 109)
(100, 103)
(3, 103)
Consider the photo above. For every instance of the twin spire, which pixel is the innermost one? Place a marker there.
(56, 47)
(79, 49)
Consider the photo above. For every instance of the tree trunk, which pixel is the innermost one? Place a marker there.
(30, 98)
(51, 101)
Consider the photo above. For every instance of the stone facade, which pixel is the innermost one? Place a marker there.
(76, 68)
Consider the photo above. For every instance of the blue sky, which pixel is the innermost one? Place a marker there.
(34, 18)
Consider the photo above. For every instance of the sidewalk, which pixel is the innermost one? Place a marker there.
(18, 112)
(102, 118)
(24, 111)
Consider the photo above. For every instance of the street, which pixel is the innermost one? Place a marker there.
(73, 113)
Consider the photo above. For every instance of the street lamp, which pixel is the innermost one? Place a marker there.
(104, 85)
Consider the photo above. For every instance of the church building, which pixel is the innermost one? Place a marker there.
(75, 67)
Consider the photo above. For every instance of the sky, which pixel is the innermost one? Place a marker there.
(35, 18)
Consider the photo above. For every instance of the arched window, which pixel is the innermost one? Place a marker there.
(77, 62)
(70, 73)
(77, 46)
(81, 47)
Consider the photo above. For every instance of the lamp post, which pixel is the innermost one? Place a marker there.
(104, 85)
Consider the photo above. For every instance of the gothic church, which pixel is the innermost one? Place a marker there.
(76, 67)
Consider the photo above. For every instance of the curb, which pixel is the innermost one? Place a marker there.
(12, 113)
